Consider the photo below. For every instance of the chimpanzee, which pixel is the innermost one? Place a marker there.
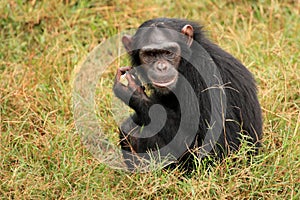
(190, 97)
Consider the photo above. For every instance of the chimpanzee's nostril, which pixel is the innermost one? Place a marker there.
(161, 66)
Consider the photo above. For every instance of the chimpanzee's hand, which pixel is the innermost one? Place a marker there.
(134, 93)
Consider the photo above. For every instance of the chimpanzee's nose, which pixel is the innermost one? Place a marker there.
(161, 66)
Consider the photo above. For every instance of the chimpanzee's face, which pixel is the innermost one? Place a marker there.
(160, 59)
(159, 54)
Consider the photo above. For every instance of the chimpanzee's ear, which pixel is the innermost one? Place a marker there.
(188, 30)
(127, 42)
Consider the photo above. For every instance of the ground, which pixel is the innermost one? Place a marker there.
(41, 154)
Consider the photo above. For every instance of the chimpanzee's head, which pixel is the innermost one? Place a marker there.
(157, 49)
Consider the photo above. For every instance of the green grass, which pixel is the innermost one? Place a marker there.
(42, 157)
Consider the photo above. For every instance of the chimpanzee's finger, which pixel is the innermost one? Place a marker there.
(124, 69)
(120, 72)
(130, 78)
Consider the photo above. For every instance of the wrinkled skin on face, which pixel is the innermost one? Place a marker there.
(161, 62)
(159, 56)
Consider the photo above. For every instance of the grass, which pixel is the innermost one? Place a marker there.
(42, 157)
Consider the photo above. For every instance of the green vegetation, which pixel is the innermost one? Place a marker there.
(42, 157)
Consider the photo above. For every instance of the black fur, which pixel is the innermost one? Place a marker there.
(243, 110)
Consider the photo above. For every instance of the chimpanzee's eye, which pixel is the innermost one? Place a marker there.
(151, 54)
(148, 56)
(169, 54)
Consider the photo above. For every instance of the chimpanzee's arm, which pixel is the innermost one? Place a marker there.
(158, 133)
(136, 133)
(133, 95)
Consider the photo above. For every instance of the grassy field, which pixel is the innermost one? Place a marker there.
(42, 157)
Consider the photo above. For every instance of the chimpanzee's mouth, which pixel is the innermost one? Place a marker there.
(163, 84)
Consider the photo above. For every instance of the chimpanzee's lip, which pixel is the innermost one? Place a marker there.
(164, 84)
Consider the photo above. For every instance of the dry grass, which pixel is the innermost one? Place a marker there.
(41, 157)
